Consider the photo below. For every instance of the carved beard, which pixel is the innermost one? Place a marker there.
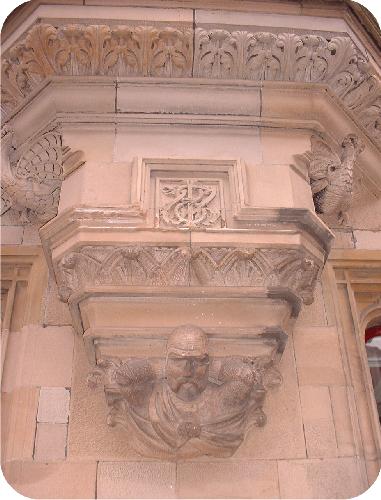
(188, 389)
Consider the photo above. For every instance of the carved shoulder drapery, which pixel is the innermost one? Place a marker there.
(148, 51)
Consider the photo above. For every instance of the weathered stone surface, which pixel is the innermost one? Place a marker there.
(54, 480)
(318, 357)
(53, 405)
(329, 478)
(89, 437)
(50, 443)
(249, 479)
(319, 429)
(136, 480)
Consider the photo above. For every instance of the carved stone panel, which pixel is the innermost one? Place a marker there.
(191, 203)
(187, 404)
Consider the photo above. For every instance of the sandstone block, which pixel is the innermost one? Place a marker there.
(319, 429)
(136, 480)
(318, 357)
(329, 478)
(367, 240)
(53, 406)
(342, 420)
(282, 436)
(50, 442)
(12, 235)
(253, 479)
(38, 356)
(53, 480)
(18, 423)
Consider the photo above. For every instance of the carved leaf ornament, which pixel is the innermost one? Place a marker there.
(181, 266)
(168, 52)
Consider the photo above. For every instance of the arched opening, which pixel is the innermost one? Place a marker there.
(373, 350)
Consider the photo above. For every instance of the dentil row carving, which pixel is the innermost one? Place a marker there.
(188, 404)
(168, 52)
(332, 176)
(31, 183)
(184, 266)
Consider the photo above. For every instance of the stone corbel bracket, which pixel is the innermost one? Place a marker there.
(33, 172)
(188, 402)
(181, 52)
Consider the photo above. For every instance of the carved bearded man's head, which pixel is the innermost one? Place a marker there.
(187, 367)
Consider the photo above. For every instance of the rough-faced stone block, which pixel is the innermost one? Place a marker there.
(136, 480)
(318, 357)
(54, 480)
(50, 443)
(329, 478)
(252, 479)
(89, 436)
(18, 423)
(53, 405)
(319, 429)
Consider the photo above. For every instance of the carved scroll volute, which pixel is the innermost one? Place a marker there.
(31, 180)
(188, 404)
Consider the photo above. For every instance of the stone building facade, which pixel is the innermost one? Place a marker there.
(191, 249)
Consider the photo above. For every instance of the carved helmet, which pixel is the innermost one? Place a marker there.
(187, 340)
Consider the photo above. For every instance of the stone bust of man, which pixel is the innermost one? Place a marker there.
(193, 405)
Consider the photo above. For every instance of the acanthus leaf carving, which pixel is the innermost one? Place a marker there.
(182, 266)
(31, 180)
(151, 51)
(188, 404)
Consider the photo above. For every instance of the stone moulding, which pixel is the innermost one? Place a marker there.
(94, 267)
(148, 51)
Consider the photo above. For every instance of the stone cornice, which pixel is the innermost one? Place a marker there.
(181, 52)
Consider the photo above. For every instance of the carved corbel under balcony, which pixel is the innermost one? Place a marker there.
(32, 175)
(188, 403)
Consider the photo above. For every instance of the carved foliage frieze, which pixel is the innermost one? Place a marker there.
(168, 52)
(188, 404)
(93, 266)
(31, 180)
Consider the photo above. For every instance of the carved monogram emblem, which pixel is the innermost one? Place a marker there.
(188, 404)
(190, 203)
